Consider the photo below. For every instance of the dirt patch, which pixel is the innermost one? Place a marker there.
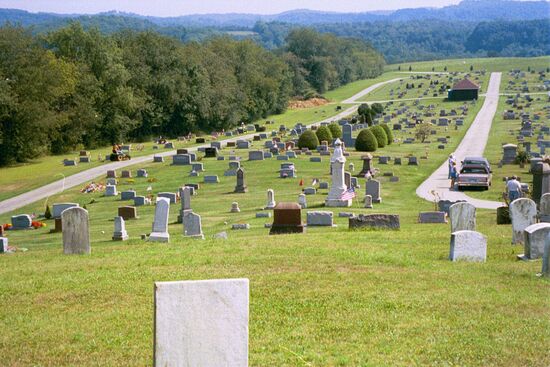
(313, 102)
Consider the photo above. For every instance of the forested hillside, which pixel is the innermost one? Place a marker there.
(469, 29)
(73, 87)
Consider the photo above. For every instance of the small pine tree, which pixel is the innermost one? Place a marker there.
(323, 133)
(399, 68)
(388, 132)
(335, 130)
(308, 139)
(47, 213)
(433, 68)
(445, 68)
(366, 141)
(471, 67)
(529, 69)
(380, 135)
(410, 68)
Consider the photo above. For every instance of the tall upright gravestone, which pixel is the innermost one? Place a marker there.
(76, 231)
(201, 323)
(338, 186)
(463, 217)
(541, 180)
(160, 222)
(523, 213)
(241, 186)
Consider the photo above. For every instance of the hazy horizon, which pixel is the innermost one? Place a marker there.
(166, 8)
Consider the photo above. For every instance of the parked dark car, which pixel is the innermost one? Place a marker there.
(477, 161)
(474, 175)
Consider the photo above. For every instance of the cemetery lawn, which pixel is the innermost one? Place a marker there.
(24, 177)
(329, 297)
(503, 64)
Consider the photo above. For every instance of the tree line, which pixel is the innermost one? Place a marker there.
(74, 88)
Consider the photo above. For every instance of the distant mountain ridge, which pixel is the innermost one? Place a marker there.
(463, 30)
(467, 10)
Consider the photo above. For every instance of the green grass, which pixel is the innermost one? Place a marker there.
(383, 93)
(329, 297)
(489, 64)
(21, 178)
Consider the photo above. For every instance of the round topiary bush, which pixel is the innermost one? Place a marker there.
(380, 135)
(335, 130)
(388, 132)
(323, 133)
(366, 141)
(308, 139)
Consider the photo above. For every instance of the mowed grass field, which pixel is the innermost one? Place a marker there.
(463, 65)
(329, 297)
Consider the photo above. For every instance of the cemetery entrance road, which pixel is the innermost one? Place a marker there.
(87, 175)
(473, 144)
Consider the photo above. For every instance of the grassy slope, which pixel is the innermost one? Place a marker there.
(329, 297)
(24, 177)
(489, 64)
(383, 93)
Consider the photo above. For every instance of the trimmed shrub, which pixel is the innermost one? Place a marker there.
(308, 139)
(323, 133)
(335, 130)
(366, 141)
(380, 135)
(388, 132)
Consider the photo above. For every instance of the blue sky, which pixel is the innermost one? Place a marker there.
(182, 7)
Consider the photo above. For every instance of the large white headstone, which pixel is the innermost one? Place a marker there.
(463, 217)
(201, 323)
(523, 213)
(535, 238)
(468, 246)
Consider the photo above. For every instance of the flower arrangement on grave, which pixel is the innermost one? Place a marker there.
(7, 226)
(36, 224)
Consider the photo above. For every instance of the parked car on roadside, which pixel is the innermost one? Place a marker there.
(476, 160)
(474, 175)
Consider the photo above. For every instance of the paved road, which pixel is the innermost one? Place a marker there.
(364, 92)
(87, 175)
(473, 144)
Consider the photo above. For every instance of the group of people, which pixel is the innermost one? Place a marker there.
(513, 186)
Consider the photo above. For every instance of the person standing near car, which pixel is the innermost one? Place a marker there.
(513, 187)
(452, 160)
(453, 174)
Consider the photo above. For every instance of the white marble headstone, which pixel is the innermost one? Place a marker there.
(201, 323)
(462, 216)
(523, 213)
(468, 246)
